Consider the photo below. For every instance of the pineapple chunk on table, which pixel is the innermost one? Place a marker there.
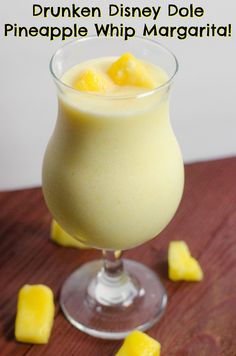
(35, 314)
(128, 70)
(181, 265)
(61, 237)
(92, 81)
(139, 344)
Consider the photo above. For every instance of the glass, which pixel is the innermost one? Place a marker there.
(113, 178)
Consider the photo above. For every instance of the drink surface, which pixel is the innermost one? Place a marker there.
(113, 171)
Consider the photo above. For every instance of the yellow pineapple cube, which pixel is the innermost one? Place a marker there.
(139, 344)
(61, 237)
(35, 314)
(92, 81)
(118, 253)
(182, 266)
(128, 70)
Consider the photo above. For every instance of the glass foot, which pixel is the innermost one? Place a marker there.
(111, 307)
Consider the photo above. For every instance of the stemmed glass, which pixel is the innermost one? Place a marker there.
(113, 178)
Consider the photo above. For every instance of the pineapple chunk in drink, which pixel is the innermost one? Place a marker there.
(128, 70)
(92, 81)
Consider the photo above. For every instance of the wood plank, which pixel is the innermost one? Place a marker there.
(200, 318)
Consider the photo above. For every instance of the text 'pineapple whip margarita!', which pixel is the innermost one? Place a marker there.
(113, 171)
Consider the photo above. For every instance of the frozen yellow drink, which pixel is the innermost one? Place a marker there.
(113, 171)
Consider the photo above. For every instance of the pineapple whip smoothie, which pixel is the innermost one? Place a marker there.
(113, 171)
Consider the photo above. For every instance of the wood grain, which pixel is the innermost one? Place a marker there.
(200, 319)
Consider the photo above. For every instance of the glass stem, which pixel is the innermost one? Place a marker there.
(112, 286)
(112, 263)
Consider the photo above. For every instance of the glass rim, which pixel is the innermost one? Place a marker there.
(146, 93)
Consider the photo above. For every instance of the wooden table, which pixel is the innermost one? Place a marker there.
(200, 319)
